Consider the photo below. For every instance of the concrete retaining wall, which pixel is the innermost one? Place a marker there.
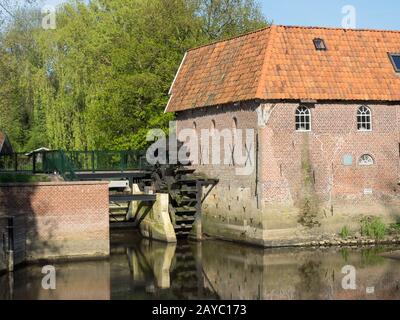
(153, 219)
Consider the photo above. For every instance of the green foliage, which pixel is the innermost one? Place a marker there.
(373, 227)
(394, 229)
(371, 256)
(344, 252)
(21, 178)
(100, 80)
(226, 18)
(344, 232)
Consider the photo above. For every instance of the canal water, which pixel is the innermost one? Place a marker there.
(143, 269)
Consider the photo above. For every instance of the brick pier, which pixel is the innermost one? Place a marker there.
(57, 219)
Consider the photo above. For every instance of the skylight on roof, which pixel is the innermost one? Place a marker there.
(319, 44)
(395, 58)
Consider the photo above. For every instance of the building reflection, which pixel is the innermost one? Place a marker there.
(170, 271)
(221, 270)
(152, 259)
(250, 273)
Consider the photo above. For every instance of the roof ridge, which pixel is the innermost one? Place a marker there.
(338, 29)
(267, 57)
(230, 38)
(291, 27)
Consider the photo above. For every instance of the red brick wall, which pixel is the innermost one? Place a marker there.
(232, 207)
(62, 219)
(334, 134)
(223, 116)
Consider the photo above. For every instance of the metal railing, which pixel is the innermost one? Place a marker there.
(92, 161)
(54, 162)
(67, 163)
(16, 162)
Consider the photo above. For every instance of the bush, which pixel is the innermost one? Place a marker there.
(309, 212)
(373, 227)
(6, 177)
(394, 229)
(344, 233)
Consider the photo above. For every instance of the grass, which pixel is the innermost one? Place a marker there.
(6, 177)
(373, 227)
(344, 233)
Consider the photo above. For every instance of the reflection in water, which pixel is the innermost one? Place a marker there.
(154, 260)
(154, 270)
(250, 273)
(77, 280)
(143, 269)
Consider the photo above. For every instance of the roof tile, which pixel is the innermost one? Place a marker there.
(281, 62)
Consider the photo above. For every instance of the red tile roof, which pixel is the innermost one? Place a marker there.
(281, 62)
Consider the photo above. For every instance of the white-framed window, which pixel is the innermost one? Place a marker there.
(366, 160)
(364, 119)
(303, 119)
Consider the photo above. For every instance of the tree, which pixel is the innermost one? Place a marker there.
(18, 56)
(100, 80)
(227, 18)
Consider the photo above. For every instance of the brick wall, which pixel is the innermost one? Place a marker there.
(233, 205)
(268, 198)
(334, 134)
(203, 118)
(62, 219)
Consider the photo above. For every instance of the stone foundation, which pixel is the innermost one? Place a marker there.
(231, 214)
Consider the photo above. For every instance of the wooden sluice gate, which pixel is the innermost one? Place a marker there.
(171, 189)
(185, 191)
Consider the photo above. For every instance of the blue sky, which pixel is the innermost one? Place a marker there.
(382, 14)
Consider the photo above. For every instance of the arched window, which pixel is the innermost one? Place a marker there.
(234, 123)
(366, 160)
(194, 125)
(303, 119)
(212, 127)
(364, 119)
